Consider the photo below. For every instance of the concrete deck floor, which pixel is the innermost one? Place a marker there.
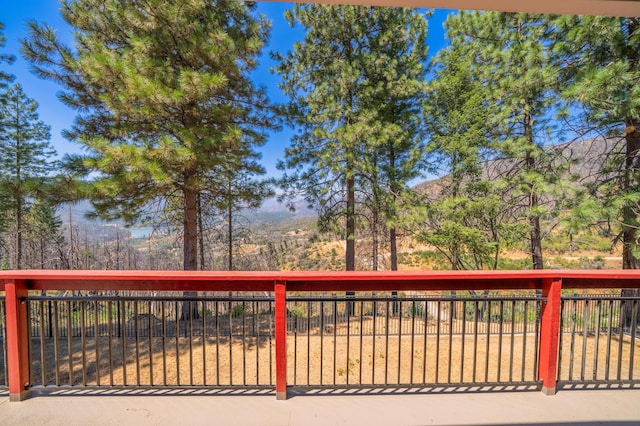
(436, 407)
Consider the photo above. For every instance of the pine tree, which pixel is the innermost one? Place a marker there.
(5, 77)
(396, 86)
(463, 218)
(353, 85)
(512, 58)
(25, 159)
(601, 63)
(239, 190)
(43, 225)
(163, 97)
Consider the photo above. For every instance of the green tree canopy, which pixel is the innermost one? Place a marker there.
(25, 158)
(512, 58)
(601, 70)
(163, 96)
(354, 85)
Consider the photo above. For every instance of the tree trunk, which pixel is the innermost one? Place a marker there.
(19, 199)
(374, 237)
(351, 233)
(350, 258)
(190, 229)
(629, 211)
(393, 248)
(200, 233)
(19, 233)
(534, 218)
(230, 237)
(190, 309)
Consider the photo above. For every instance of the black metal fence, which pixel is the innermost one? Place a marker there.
(361, 341)
(599, 342)
(151, 342)
(424, 341)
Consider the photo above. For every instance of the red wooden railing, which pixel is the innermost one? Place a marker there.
(17, 284)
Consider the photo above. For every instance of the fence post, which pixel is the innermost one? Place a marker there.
(549, 333)
(17, 339)
(281, 339)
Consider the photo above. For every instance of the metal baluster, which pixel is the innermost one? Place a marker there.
(69, 342)
(524, 340)
(437, 369)
(413, 334)
(511, 348)
(475, 339)
(191, 341)
(56, 349)
(632, 343)
(177, 339)
(452, 315)
(137, 337)
(464, 336)
(424, 344)
(83, 320)
(43, 357)
(386, 340)
(597, 342)
(585, 336)
(487, 346)
(150, 328)
(217, 313)
(164, 342)
(609, 331)
(399, 312)
(500, 330)
(321, 340)
(373, 345)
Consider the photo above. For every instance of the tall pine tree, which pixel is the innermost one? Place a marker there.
(25, 159)
(512, 58)
(163, 97)
(354, 84)
(465, 219)
(601, 63)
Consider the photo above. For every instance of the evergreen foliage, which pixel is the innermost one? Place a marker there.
(25, 160)
(601, 69)
(163, 96)
(5, 77)
(512, 60)
(354, 85)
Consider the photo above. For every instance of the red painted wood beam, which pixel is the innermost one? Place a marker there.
(319, 280)
(281, 339)
(17, 339)
(549, 334)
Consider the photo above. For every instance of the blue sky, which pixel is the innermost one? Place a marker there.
(14, 14)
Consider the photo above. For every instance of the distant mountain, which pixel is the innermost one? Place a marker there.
(271, 212)
(585, 159)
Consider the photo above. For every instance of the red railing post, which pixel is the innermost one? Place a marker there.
(549, 333)
(281, 339)
(17, 339)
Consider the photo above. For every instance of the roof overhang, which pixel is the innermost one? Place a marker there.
(630, 8)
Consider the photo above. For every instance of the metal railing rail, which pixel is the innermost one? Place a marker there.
(22, 308)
